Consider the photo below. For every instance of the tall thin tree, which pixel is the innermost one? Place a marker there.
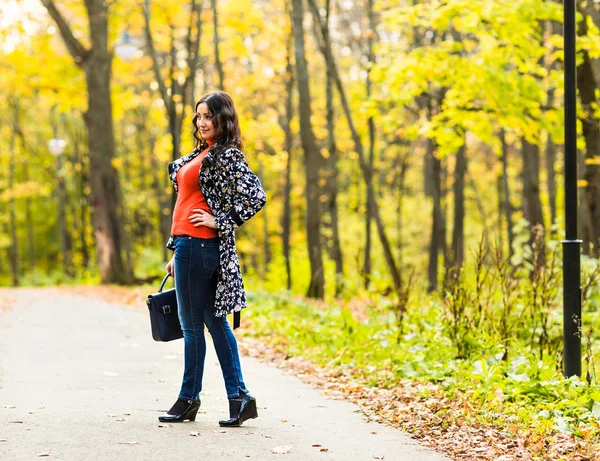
(371, 125)
(285, 121)
(312, 158)
(332, 173)
(218, 63)
(358, 145)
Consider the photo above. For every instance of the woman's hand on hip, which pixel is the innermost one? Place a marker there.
(200, 217)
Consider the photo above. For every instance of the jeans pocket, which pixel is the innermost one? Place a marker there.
(210, 258)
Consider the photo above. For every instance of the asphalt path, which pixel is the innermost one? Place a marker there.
(81, 379)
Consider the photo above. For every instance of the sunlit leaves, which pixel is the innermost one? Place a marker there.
(477, 62)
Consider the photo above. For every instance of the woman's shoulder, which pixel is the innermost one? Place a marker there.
(231, 151)
(228, 155)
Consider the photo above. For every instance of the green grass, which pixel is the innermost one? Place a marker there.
(520, 389)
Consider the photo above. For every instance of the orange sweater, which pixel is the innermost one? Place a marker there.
(189, 197)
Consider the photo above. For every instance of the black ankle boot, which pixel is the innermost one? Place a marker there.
(182, 409)
(240, 409)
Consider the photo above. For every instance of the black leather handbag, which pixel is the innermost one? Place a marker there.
(163, 314)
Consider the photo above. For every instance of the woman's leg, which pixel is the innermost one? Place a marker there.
(242, 405)
(227, 352)
(193, 287)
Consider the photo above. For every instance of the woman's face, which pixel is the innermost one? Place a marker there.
(204, 121)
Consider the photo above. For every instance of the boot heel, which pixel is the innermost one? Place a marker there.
(191, 415)
(249, 412)
(252, 411)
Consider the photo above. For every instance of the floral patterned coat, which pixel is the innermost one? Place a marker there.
(234, 194)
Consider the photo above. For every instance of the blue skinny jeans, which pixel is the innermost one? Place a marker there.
(196, 265)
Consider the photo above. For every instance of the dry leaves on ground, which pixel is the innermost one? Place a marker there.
(424, 411)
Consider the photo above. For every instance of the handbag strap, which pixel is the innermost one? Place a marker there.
(163, 282)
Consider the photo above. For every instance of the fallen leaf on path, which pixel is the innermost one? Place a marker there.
(44, 454)
(284, 420)
(3, 440)
(16, 422)
(165, 425)
(121, 419)
(194, 434)
(296, 425)
(373, 432)
(281, 450)
(324, 449)
(127, 414)
(316, 444)
(129, 443)
(378, 457)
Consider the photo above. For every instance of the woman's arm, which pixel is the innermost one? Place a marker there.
(249, 197)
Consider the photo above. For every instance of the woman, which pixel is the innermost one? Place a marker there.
(217, 192)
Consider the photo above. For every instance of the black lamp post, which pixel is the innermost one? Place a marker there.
(571, 245)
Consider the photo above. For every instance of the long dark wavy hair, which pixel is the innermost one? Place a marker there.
(224, 119)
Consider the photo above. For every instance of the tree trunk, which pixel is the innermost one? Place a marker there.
(330, 61)
(29, 219)
(332, 181)
(402, 169)
(587, 86)
(507, 208)
(105, 185)
(160, 184)
(218, 63)
(436, 222)
(371, 125)
(62, 201)
(550, 158)
(266, 247)
(444, 213)
(552, 28)
(458, 237)
(83, 204)
(312, 158)
(12, 204)
(532, 206)
(286, 124)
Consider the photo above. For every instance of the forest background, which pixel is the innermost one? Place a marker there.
(412, 156)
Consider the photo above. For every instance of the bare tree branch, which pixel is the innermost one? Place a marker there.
(152, 50)
(193, 55)
(77, 50)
